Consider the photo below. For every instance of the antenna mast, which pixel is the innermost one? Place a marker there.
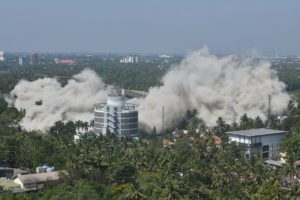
(163, 118)
(269, 111)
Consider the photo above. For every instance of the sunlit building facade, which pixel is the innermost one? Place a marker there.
(116, 116)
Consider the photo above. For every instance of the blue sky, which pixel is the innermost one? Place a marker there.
(151, 26)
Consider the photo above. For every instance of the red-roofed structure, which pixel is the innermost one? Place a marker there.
(166, 142)
(66, 62)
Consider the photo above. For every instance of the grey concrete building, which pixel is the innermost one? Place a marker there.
(263, 142)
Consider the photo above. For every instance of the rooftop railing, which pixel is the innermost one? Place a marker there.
(126, 107)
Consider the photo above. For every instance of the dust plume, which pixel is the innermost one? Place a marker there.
(46, 101)
(215, 87)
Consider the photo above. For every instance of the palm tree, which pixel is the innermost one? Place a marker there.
(85, 126)
(294, 193)
(78, 124)
(132, 193)
(258, 123)
(92, 122)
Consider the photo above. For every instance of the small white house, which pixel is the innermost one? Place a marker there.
(262, 141)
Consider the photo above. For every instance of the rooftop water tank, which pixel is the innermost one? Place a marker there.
(50, 169)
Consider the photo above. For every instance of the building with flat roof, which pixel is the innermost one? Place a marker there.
(11, 173)
(33, 58)
(116, 116)
(261, 142)
(36, 181)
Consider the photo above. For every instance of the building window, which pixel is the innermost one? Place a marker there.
(265, 148)
(265, 155)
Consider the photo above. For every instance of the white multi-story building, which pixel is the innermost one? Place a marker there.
(262, 142)
(2, 56)
(129, 59)
(116, 116)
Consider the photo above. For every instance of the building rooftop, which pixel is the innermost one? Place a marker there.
(9, 172)
(39, 177)
(274, 163)
(256, 132)
(126, 107)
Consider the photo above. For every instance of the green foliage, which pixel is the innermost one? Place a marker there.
(80, 190)
(129, 76)
(288, 73)
(3, 105)
(292, 147)
(11, 115)
(110, 168)
(124, 172)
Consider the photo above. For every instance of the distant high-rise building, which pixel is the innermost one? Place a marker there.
(2, 56)
(22, 60)
(56, 60)
(33, 58)
(116, 116)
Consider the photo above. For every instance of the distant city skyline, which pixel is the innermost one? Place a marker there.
(145, 27)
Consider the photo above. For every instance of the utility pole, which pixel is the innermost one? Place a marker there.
(163, 119)
(269, 123)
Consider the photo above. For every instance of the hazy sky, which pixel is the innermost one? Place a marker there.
(151, 26)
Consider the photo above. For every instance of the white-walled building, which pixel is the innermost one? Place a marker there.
(116, 116)
(129, 59)
(23, 60)
(263, 142)
(2, 56)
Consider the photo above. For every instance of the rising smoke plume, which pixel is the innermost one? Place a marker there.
(75, 101)
(215, 87)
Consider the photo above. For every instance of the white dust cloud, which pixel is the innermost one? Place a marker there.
(75, 101)
(216, 87)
